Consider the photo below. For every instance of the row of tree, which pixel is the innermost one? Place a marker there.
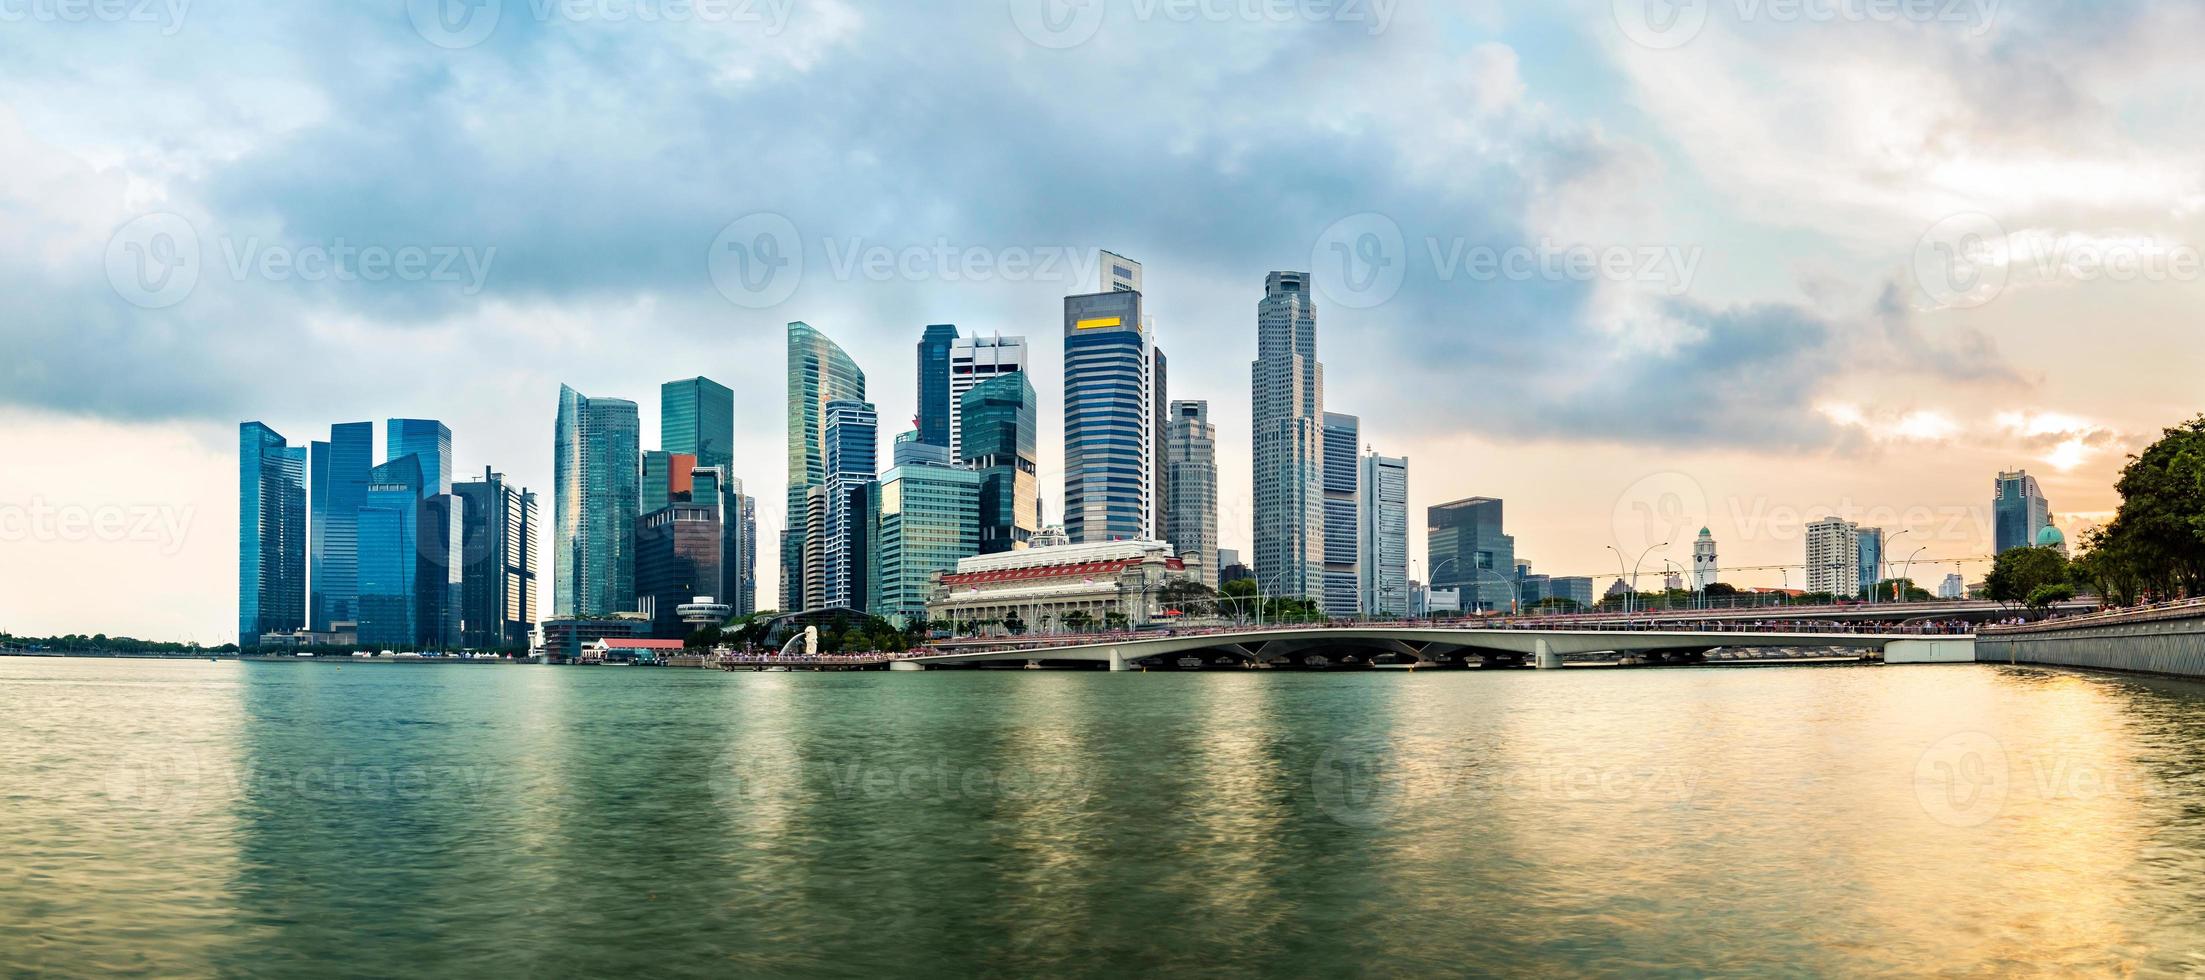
(2154, 548)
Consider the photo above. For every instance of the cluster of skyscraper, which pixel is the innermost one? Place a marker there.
(380, 554)
(1331, 520)
(643, 533)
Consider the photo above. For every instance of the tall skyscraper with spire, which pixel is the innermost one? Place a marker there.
(818, 372)
(1287, 393)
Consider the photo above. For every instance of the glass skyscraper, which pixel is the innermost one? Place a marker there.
(1343, 479)
(428, 439)
(998, 419)
(1383, 536)
(1190, 488)
(818, 372)
(697, 418)
(596, 500)
(833, 570)
(1469, 551)
(1871, 557)
(973, 360)
(935, 407)
(337, 490)
(1287, 394)
(271, 534)
(679, 557)
(928, 518)
(390, 528)
(499, 569)
(1108, 422)
(2019, 511)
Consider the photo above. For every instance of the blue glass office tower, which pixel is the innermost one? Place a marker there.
(1109, 422)
(271, 534)
(818, 372)
(834, 566)
(2019, 511)
(390, 530)
(428, 439)
(597, 489)
(338, 489)
(933, 388)
(1343, 534)
(998, 419)
(925, 517)
(1871, 558)
(697, 418)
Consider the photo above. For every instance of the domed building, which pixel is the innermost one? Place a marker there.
(2051, 537)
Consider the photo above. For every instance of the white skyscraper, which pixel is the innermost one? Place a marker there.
(1383, 545)
(971, 361)
(1288, 399)
(1833, 557)
(1705, 570)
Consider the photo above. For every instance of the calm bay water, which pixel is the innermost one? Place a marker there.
(309, 820)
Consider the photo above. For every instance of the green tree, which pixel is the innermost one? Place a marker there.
(2045, 596)
(2021, 571)
(1014, 625)
(1238, 599)
(1188, 596)
(1078, 621)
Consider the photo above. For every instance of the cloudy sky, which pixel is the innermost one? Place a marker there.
(1632, 266)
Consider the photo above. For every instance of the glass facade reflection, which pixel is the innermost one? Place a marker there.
(271, 534)
(997, 438)
(595, 502)
(338, 488)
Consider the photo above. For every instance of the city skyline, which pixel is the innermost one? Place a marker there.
(1802, 367)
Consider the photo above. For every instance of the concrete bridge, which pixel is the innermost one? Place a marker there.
(1438, 646)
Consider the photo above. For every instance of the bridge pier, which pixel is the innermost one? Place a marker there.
(1117, 660)
(1544, 657)
(905, 665)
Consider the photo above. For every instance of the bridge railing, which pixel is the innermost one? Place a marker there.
(2178, 609)
(1792, 626)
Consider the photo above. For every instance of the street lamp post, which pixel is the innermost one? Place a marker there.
(1631, 601)
(1906, 569)
(1882, 549)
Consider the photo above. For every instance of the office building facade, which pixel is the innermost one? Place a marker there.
(271, 534)
(974, 361)
(1833, 557)
(998, 421)
(1287, 392)
(1471, 553)
(1382, 537)
(834, 571)
(337, 487)
(1343, 480)
(1108, 423)
(697, 419)
(2019, 511)
(937, 400)
(926, 518)
(498, 557)
(596, 498)
(818, 372)
(1190, 481)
